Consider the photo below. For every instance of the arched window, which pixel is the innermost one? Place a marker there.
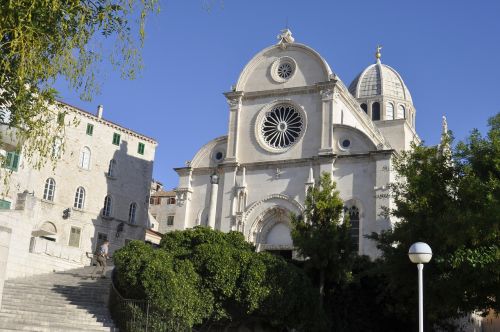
(375, 111)
(85, 158)
(353, 213)
(49, 190)
(401, 112)
(79, 198)
(365, 108)
(389, 111)
(106, 210)
(112, 168)
(131, 213)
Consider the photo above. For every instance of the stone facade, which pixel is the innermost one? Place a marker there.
(290, 119)
(57, 216)
(162, 206)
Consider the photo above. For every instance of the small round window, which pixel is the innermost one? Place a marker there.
(218, 156)
(344, 144)
(283, 69)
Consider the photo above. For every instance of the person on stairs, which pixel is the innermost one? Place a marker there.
(101, 257)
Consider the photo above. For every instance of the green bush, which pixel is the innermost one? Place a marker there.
(208, 279)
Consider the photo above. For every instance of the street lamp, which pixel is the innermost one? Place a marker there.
(420, 253)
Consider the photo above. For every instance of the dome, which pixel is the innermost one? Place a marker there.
(379, 79)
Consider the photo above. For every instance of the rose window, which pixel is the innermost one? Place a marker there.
(282, 126)
(285, 70)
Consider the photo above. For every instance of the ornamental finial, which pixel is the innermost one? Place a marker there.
(285, 37)
(378, 55)
(444, 126)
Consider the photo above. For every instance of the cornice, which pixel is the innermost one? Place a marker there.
(108, 123)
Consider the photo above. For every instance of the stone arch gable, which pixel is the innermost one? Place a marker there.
(254, 215)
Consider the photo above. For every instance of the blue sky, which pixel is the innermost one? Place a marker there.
(446, 51)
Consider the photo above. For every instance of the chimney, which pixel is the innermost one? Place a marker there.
(100, 108)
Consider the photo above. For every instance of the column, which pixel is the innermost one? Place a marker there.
(214, 181)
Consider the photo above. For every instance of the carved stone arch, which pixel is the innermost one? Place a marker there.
(257, 212)
(45, 229)
(49, 227)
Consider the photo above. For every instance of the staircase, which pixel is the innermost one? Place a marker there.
(57, 302)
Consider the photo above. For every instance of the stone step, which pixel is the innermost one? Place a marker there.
(37, 321)
(56, 312)
(54, 292)
(21, 325)
(64, 301)
(56, 302)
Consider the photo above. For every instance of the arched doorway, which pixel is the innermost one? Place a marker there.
(273, 232)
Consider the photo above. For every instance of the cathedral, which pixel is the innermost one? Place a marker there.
(291, 119)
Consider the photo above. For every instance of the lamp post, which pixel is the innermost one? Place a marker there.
(420, 253)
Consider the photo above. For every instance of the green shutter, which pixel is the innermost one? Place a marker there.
(140, 148)
(90, 129)
(60, 118)
(4, 205)
(11, 161)
(116, 139)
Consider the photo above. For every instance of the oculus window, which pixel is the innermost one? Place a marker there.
(281, 127)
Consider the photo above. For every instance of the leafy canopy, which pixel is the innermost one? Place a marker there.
(205, 278)
(321, 235)
(452, 202)
(41, 41)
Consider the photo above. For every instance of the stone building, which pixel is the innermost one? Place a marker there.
(162, 206)
(53, 218)
(292, 118)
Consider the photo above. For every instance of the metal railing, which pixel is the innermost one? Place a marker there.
(131, 315)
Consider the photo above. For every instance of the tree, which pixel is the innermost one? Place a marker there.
(452, 202)
(208, 279)
(41, 41)
(322, 237)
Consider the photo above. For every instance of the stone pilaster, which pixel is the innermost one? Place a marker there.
(234, 100)
(327, 95)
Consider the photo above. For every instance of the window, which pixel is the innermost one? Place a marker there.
(364, 108)
(171, 200)
(116, 139)
(85, 158)
(170, 220)
(282, 126)
(401, 112)
(375, 111)
(140, 148)
(90, 129)
(112, 168)
(131, 213)
(389, 111)
(74, 237)
(79, 198)
(11, 161)
(353, 214)
(49, 190)
(4, 205)
(101, 237)
(106, 210)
